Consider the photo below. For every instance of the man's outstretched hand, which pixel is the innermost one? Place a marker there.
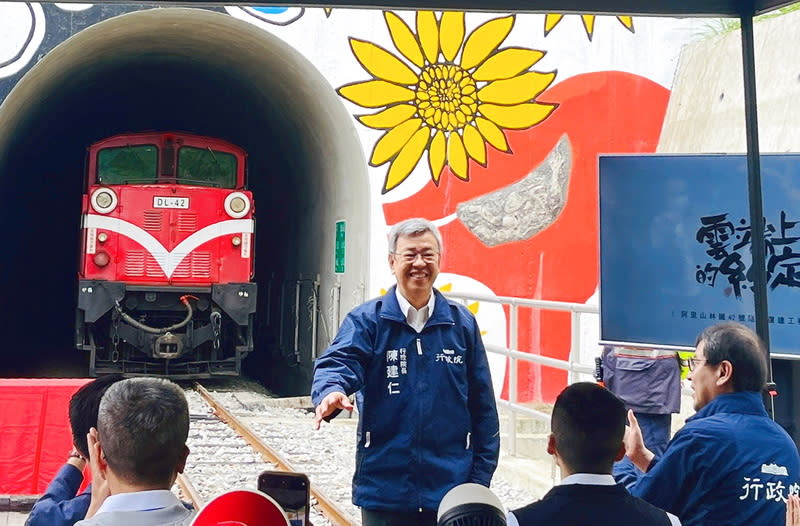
(332, 402)
(634, 444)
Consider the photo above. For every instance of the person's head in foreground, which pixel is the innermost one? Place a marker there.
(83, 408)
(587, 427)
(729, 358)
(142, 428)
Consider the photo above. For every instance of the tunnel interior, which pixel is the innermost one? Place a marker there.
(168, 69)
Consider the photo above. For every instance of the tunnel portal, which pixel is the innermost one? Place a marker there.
(171, 69)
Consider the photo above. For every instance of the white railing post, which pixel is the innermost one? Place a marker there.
(512, 379)
(572, 364)
(575, 345)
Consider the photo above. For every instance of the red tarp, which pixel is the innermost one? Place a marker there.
(35, 437)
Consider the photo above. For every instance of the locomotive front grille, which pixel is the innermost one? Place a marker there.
(196, 265)
(135, 263)
(141, 264)
(152, 268)
(152, 220)
(187, 221)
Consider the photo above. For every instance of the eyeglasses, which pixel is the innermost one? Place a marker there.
(410, 257)
(694, 362)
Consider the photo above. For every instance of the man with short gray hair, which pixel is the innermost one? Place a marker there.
(428, 420)
(136, 453)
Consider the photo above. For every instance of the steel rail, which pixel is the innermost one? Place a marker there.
(190, 491)
(336, 515)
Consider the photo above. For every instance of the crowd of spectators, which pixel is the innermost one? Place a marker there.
(428, 423)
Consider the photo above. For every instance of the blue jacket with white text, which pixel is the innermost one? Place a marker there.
(729, 465)
(428, 419)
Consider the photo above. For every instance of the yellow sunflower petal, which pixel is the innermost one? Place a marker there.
(507, 63)
(388, 118)
(551, 21)
(473, 141)
(484, 40)
(457, 156)
(451, 33)
(382, 64)
(428, 31)
(588, 24)
(517, 89)
(437, 153)
(407, 159)
(403, 38)
(627, 21)
(492, 134)
(375, 93)
(517, 117)
(393, 141)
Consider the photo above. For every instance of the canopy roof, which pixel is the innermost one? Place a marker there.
(710, 8)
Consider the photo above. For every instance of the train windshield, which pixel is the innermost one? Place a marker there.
(206, 167)
(128, 164)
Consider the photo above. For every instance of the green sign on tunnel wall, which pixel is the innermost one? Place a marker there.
(338, 256)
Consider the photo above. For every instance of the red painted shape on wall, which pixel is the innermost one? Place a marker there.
(602, 112)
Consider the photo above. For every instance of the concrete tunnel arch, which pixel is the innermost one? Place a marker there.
(177, 69)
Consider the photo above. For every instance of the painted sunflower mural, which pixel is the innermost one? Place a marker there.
(447, 93)
(552, 20)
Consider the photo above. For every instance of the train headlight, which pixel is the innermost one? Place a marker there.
(104, 200)
(102, 237)
(237, 204)
(101, 259)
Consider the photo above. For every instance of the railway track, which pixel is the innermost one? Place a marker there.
(228, 453)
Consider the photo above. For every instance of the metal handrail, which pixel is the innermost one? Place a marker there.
(572, 365)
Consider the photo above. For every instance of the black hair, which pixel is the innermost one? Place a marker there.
(588, 423)
(742, 347)
(83, 407)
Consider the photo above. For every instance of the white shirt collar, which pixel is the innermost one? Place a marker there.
(417, 318)
(139, 501)
(592, 479)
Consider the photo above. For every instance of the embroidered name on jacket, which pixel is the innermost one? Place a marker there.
(449, 356)
(396, 366)
(759, 488)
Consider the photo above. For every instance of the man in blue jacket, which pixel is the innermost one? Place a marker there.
(730, 464)
(587, 426)
(428, 420)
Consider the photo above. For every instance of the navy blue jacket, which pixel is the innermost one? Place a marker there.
(590, 505)
(428, 419)
(729, 465)
(59, 506)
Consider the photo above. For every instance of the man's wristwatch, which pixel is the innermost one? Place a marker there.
(75, 454)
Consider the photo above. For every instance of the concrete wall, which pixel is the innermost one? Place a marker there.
(706, 108)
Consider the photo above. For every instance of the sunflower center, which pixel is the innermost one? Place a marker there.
(446, 97)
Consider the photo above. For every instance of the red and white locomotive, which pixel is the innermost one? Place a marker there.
(166, 266)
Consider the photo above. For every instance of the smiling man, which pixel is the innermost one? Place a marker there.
(416, 362)
(730, 464)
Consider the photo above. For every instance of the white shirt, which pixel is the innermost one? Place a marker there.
(589, 479)
(139, 501)
(417, 318)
